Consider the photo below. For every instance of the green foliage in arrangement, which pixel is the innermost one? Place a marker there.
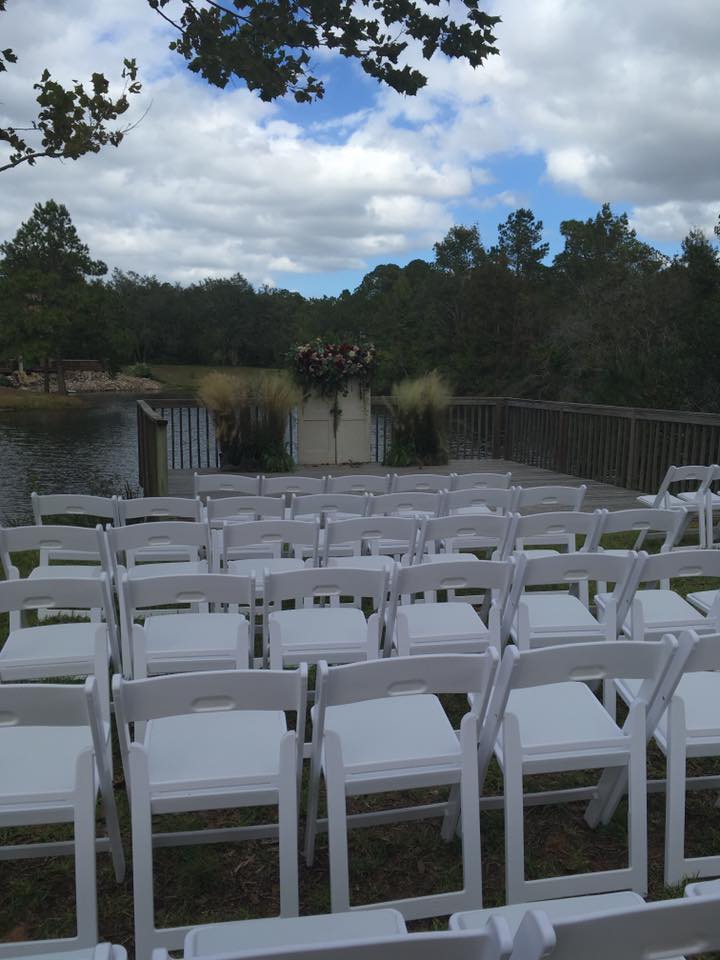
(330, 367)
(419, 409)
(251, 415)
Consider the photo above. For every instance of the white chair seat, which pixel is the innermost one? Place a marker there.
(703, 599)
(88, 953)
(318, 631)
(40, 763)
(669, 501)
(395, 736)
(664, 607)
(201, 635)
(55, 644)
(560, 713)
(249, 935)
(373, 562)
(258, 566)
(57, 570)
(451, 621)
(448, 557)
(700, 693)
(557, 609)
(555, 909)
(181, 568)
(706, 888)
(208, 752)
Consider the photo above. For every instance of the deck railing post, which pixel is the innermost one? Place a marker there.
(498, 440)
(631, 475)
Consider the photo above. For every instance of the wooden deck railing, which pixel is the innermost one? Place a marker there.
(628, 446)
(152, 451)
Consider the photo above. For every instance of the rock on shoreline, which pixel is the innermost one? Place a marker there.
(89, 381)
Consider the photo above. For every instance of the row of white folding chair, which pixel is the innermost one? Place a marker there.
(564, 929)
(699, 501)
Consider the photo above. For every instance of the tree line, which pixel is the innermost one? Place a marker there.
(611, 320)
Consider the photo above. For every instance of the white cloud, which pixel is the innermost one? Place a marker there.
(619, 100)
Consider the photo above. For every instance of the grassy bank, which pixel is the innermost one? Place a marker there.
(14, 400)
(179, 379)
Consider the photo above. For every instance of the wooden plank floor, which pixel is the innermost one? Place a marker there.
(180, 482)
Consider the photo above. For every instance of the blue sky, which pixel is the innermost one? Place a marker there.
(586, 103)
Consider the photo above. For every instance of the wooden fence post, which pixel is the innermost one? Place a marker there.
(498, 441)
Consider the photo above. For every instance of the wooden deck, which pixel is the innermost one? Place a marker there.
(180, 482)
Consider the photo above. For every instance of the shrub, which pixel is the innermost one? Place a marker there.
(251, 414)
(139, 370)
(419, 409)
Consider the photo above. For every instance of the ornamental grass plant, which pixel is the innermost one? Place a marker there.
(419, 409)
(251, 413)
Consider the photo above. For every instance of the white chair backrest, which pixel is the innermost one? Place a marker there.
(359, 483)
(642, 521)
(284, 486)
(218, 484)
(73, 505)
(50, 538)
(551, 497)
(421, 578)
(275, 533)
(162, 533)
(480, 481)
(319, 504)
(559, 524)
(678, 563)
(493, 942)
(650, 931)
(160, 508)
(419, 482)
(481, 499)
(244, 508)
(399, 504)
(47, 704)
(367, 530)
(458, 527)
(322, 583)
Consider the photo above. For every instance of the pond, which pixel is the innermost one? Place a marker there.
(86, 449)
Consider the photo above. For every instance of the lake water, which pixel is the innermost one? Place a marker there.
(87, 449)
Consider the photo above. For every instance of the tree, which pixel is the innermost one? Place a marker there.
(520, 243)
(268, 43)
(460, 251)
(44, 273)
(72, 121)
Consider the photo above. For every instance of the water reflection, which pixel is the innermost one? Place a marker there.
(87, 449)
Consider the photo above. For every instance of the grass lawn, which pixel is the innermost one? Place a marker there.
(183, 378)
(200, 884)
(11, 399)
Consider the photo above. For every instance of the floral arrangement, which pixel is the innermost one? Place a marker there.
(329, 367)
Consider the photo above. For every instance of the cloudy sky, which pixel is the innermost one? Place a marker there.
(588, 101)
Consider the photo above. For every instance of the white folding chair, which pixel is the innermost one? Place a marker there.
(56, 649)
(56, 541)
(649, 931)
(149, 509)
(643, 522)
(480, 481)
(550, 497)
(274, 545)
(369, 543)
(241, 509)
(163, 547)
(360, 935)
(646, 612)
(689, 728)
(419, 482)
(55, 759)
(208, 741)
(332, 632)
(73, 506)
(379, 726)
(543, 718)
(358, 483)
(220, 484)
(473, 500)
(189, 639)
(547, 617)
(692, 501)
(426, 626)
(535, 533)
(450, 538)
